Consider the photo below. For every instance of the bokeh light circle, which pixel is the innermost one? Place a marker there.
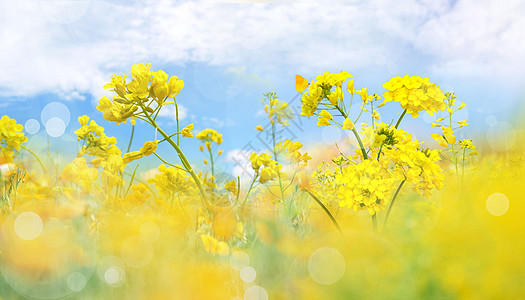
(239, 260)
(55, 110)
(497, 204)
(28, 225)
(112, 271)
(248, 274)
(326, 265)
(46, 251)
(32, 126)
(491, 120)
(114, 275)
(55, 127)
(76, 281)
(256, 293)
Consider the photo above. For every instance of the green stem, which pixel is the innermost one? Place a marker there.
(169, 164)
(361, 146)
(177, 119)
(249, 189)
(183, 159)
(211, 162)
(131, 138)
(392, 203)
(374, 221)
(131, 181)
(325, 209)
(400, 118)
(36, 156)
(275, 155)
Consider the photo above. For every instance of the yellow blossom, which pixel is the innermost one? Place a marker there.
(348, 124)
(231, 186)
(131, 156)
(415, 94)
(186, 131)
(214, 246)
(149, 147)
(209, 135)
(10, 137)
(324, 118)
(350, 86)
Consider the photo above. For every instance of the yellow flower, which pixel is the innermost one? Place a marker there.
(324, 118)
(350, 86)
(96, 143)
(214, 246)
(366, 185)
(364, 95)
(186, 131)
(415, 94)
(277, 110)
(259, 127)
(446, 138)
(10, 137)
(115, 111)
(375, 115)
(289, 151)
(144, 87)
(131, 156)
(209, 135)
(118, 84)
(348, 124)
(467, 143)
(78, 172)
(463, 123)
(173, 181)
(320, 88)
(231, 186)
(267, 174)
(149, 147)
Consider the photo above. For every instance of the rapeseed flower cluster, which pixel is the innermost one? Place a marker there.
(415, 94)
(10, 137)
(145, 89)
(367, 185)
(322, 87)
(265, 167)
(173, 182)
(289, 151)
(278, 111)
(387, 157)
(208, 135)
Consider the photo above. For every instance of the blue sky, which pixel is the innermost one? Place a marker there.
(230, 52)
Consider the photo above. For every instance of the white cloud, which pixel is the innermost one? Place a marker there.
(71, 47)
(169, 111)
(217, 123)
(242, 165)
(151, 173)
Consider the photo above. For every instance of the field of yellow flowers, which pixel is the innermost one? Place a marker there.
(381, 215)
